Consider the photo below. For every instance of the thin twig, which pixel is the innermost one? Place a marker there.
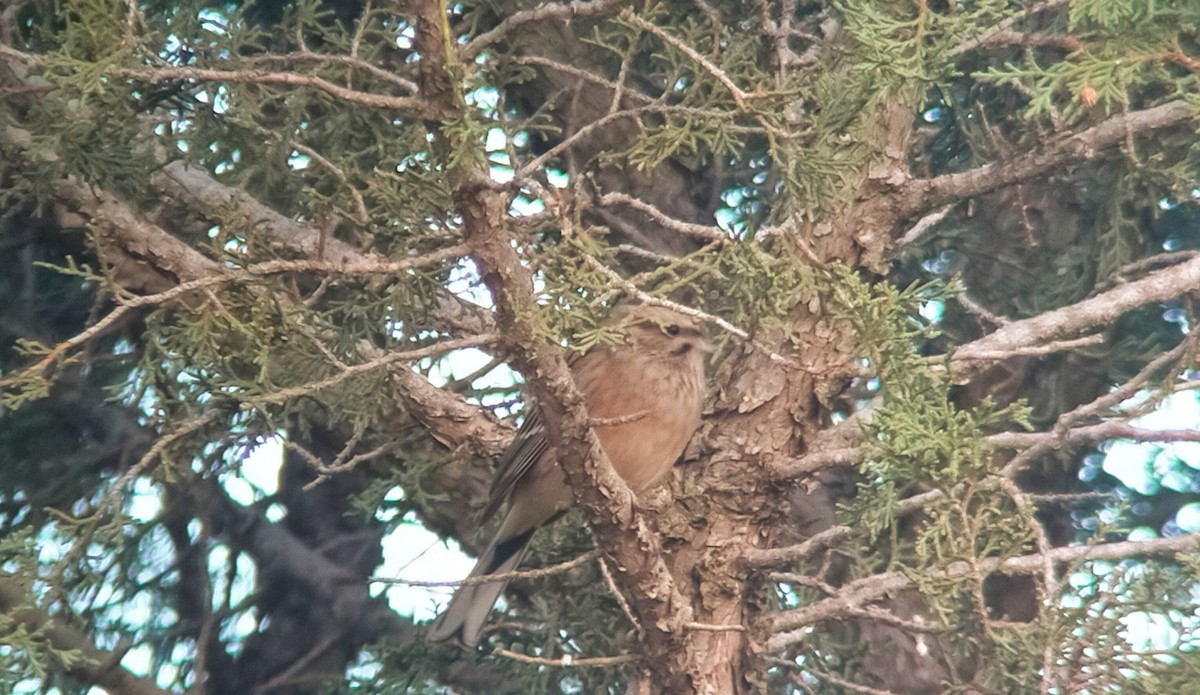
(999, 28)
(568, 661)
(564, 11)
(791, 626)
(414, 105)
(620, 420)
(1095, 407)
(587, 131)
(646, 298)
(739, 96)
(616, 592)
(580, 73)
(848, 685)
(131, 16)
(499, 576)
(698, 231)
(290, 676)
(1049, 585)
(349, 61)
(918, 230)
(130, 302)
(360, 206)
(1083, 435)
(976, 309)
(391, 358)
(117, 492)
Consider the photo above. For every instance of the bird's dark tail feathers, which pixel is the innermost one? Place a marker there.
(468, 609)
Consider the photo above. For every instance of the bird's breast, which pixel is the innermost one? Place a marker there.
(656, 405)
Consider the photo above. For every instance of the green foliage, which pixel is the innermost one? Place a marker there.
(890, 43)
(1126, 45)
(920, 440)
(28, 653)
(1132, 627)
(759, 282)
(25, 386)
(1123, 16)
(918, 436)
(93, 136)
(18, 553)
(1108, 77)
(25, 648)
(94, 32)
(74, 268)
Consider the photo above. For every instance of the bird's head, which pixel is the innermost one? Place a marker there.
(660, 330)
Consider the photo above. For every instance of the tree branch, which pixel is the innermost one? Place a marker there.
(147, 259)
(565, 12)
(791, 626)
(1004, 27)
(1098, 311)
(275, 549)
(1082, 436)
(94, 667)
(775, 557)
(1031, 335)
(700, 232)
(922, 195)
(350, 61)
(407, 105)
(374, 363)
(621, 530)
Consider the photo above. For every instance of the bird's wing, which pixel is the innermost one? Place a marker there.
(526, 448)
(519, 458)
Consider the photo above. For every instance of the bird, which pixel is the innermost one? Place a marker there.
(644, 397)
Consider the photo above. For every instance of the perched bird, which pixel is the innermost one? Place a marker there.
(651, 386)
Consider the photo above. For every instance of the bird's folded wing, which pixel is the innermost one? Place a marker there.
(518, 460)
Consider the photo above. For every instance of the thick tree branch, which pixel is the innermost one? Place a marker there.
(146, 259)
(819, 460)
(622, 531)
(1058, 437)
(1055, 327)
(204, 195)
(276, 550)
(199, 191)
(379, 362)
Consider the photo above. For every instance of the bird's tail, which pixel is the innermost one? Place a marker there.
(468, 609)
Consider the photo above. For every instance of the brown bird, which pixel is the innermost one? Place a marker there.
(652, 383)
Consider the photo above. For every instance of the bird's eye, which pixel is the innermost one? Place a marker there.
(672, 330)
